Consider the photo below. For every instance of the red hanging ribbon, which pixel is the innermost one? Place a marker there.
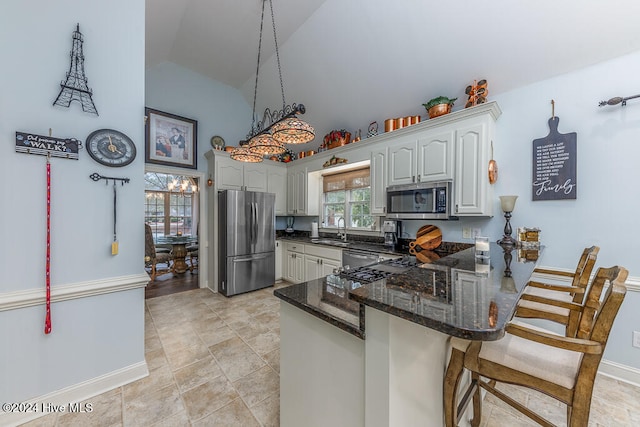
(47, 322)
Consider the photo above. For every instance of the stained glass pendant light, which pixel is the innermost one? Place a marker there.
(244, 154)
(283, 127)
(265, 144)
(293, 131)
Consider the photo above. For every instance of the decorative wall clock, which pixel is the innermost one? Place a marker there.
(110, 147)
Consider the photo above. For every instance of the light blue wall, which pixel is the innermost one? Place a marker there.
(96, 335)
(218, 108)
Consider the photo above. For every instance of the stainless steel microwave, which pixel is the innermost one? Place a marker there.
(422, 200)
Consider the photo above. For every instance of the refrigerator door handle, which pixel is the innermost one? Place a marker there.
(251, 225)
(255, 221)
(250, 258)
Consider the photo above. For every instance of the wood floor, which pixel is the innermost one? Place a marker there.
(168, 284)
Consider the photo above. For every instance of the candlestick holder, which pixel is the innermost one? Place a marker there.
(507, 203)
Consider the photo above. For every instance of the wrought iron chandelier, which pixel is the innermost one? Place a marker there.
(268, 136)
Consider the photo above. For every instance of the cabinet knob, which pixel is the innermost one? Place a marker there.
(418, 178)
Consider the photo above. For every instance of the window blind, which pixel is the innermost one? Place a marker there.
(349, 180)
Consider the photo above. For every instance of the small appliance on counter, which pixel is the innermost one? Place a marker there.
(290, 221)
(390, 233)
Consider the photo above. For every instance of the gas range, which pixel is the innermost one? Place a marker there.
(381, 270)
(413, 280)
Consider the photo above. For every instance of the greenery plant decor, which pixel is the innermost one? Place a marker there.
(439, 106)
(439, 100)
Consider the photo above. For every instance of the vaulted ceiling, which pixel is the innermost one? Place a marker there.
(355, 61)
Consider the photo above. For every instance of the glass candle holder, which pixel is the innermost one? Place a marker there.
(482, 266)
(482, 247)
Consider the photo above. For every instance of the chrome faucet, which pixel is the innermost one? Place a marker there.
(342, 235)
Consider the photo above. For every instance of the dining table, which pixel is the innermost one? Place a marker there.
(178, 250)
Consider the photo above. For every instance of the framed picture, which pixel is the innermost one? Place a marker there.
(170, 140)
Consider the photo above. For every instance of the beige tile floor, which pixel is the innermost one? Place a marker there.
(214, 361)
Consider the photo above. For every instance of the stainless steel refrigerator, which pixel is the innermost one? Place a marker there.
(246, 241)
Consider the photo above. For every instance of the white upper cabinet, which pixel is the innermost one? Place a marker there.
(435, 155)
(263, 177)
(472, 191)
(378, 168)
(297, 191)
(277, 184)
(229, 174)
(304, 191)
(255, 177)
(402, 162)
(426, 156)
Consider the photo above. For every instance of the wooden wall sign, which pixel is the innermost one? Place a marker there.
(47, 145)
(554, 165)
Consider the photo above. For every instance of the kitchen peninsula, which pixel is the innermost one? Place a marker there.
(374, 354)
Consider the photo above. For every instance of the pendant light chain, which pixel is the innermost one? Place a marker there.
(255, 88)
(275, 41)
(284, 127)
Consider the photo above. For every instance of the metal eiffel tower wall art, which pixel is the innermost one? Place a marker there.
(75, 88)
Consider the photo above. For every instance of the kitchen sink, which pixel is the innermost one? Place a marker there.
(331, 242)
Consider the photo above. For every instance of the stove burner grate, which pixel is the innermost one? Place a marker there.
(371, 273)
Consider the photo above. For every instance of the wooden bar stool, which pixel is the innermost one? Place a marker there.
(561, 367)
(553, 302)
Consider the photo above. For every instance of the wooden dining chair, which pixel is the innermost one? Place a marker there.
(561, 367)
(152, 257)
(552, 302)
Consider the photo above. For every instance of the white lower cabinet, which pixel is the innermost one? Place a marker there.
(320, 261)
(294, 262)
(278, 260)
(302, 263)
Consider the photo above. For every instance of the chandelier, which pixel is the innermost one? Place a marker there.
(182, 185)
(268, 136)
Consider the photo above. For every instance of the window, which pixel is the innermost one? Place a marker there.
(347, 195)
(170, 204)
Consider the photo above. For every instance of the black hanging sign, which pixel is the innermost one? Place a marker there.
(554, 165)
(38, 144)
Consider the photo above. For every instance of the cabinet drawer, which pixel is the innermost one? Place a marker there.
(323, 252)
(294, 247)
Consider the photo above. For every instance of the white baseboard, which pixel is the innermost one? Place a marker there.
(77, 393)
(620, 372)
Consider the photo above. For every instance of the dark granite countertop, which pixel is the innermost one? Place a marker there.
(374, 244)
(327, 301)
(452, 295)
(447, 295)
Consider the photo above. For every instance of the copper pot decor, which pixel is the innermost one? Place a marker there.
(439, 110)
(337, 138)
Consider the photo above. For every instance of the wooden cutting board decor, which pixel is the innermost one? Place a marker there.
(428, 237)
(427, 256)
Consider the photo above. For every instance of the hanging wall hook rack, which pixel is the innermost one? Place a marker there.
(97, 177)
(617, 100)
